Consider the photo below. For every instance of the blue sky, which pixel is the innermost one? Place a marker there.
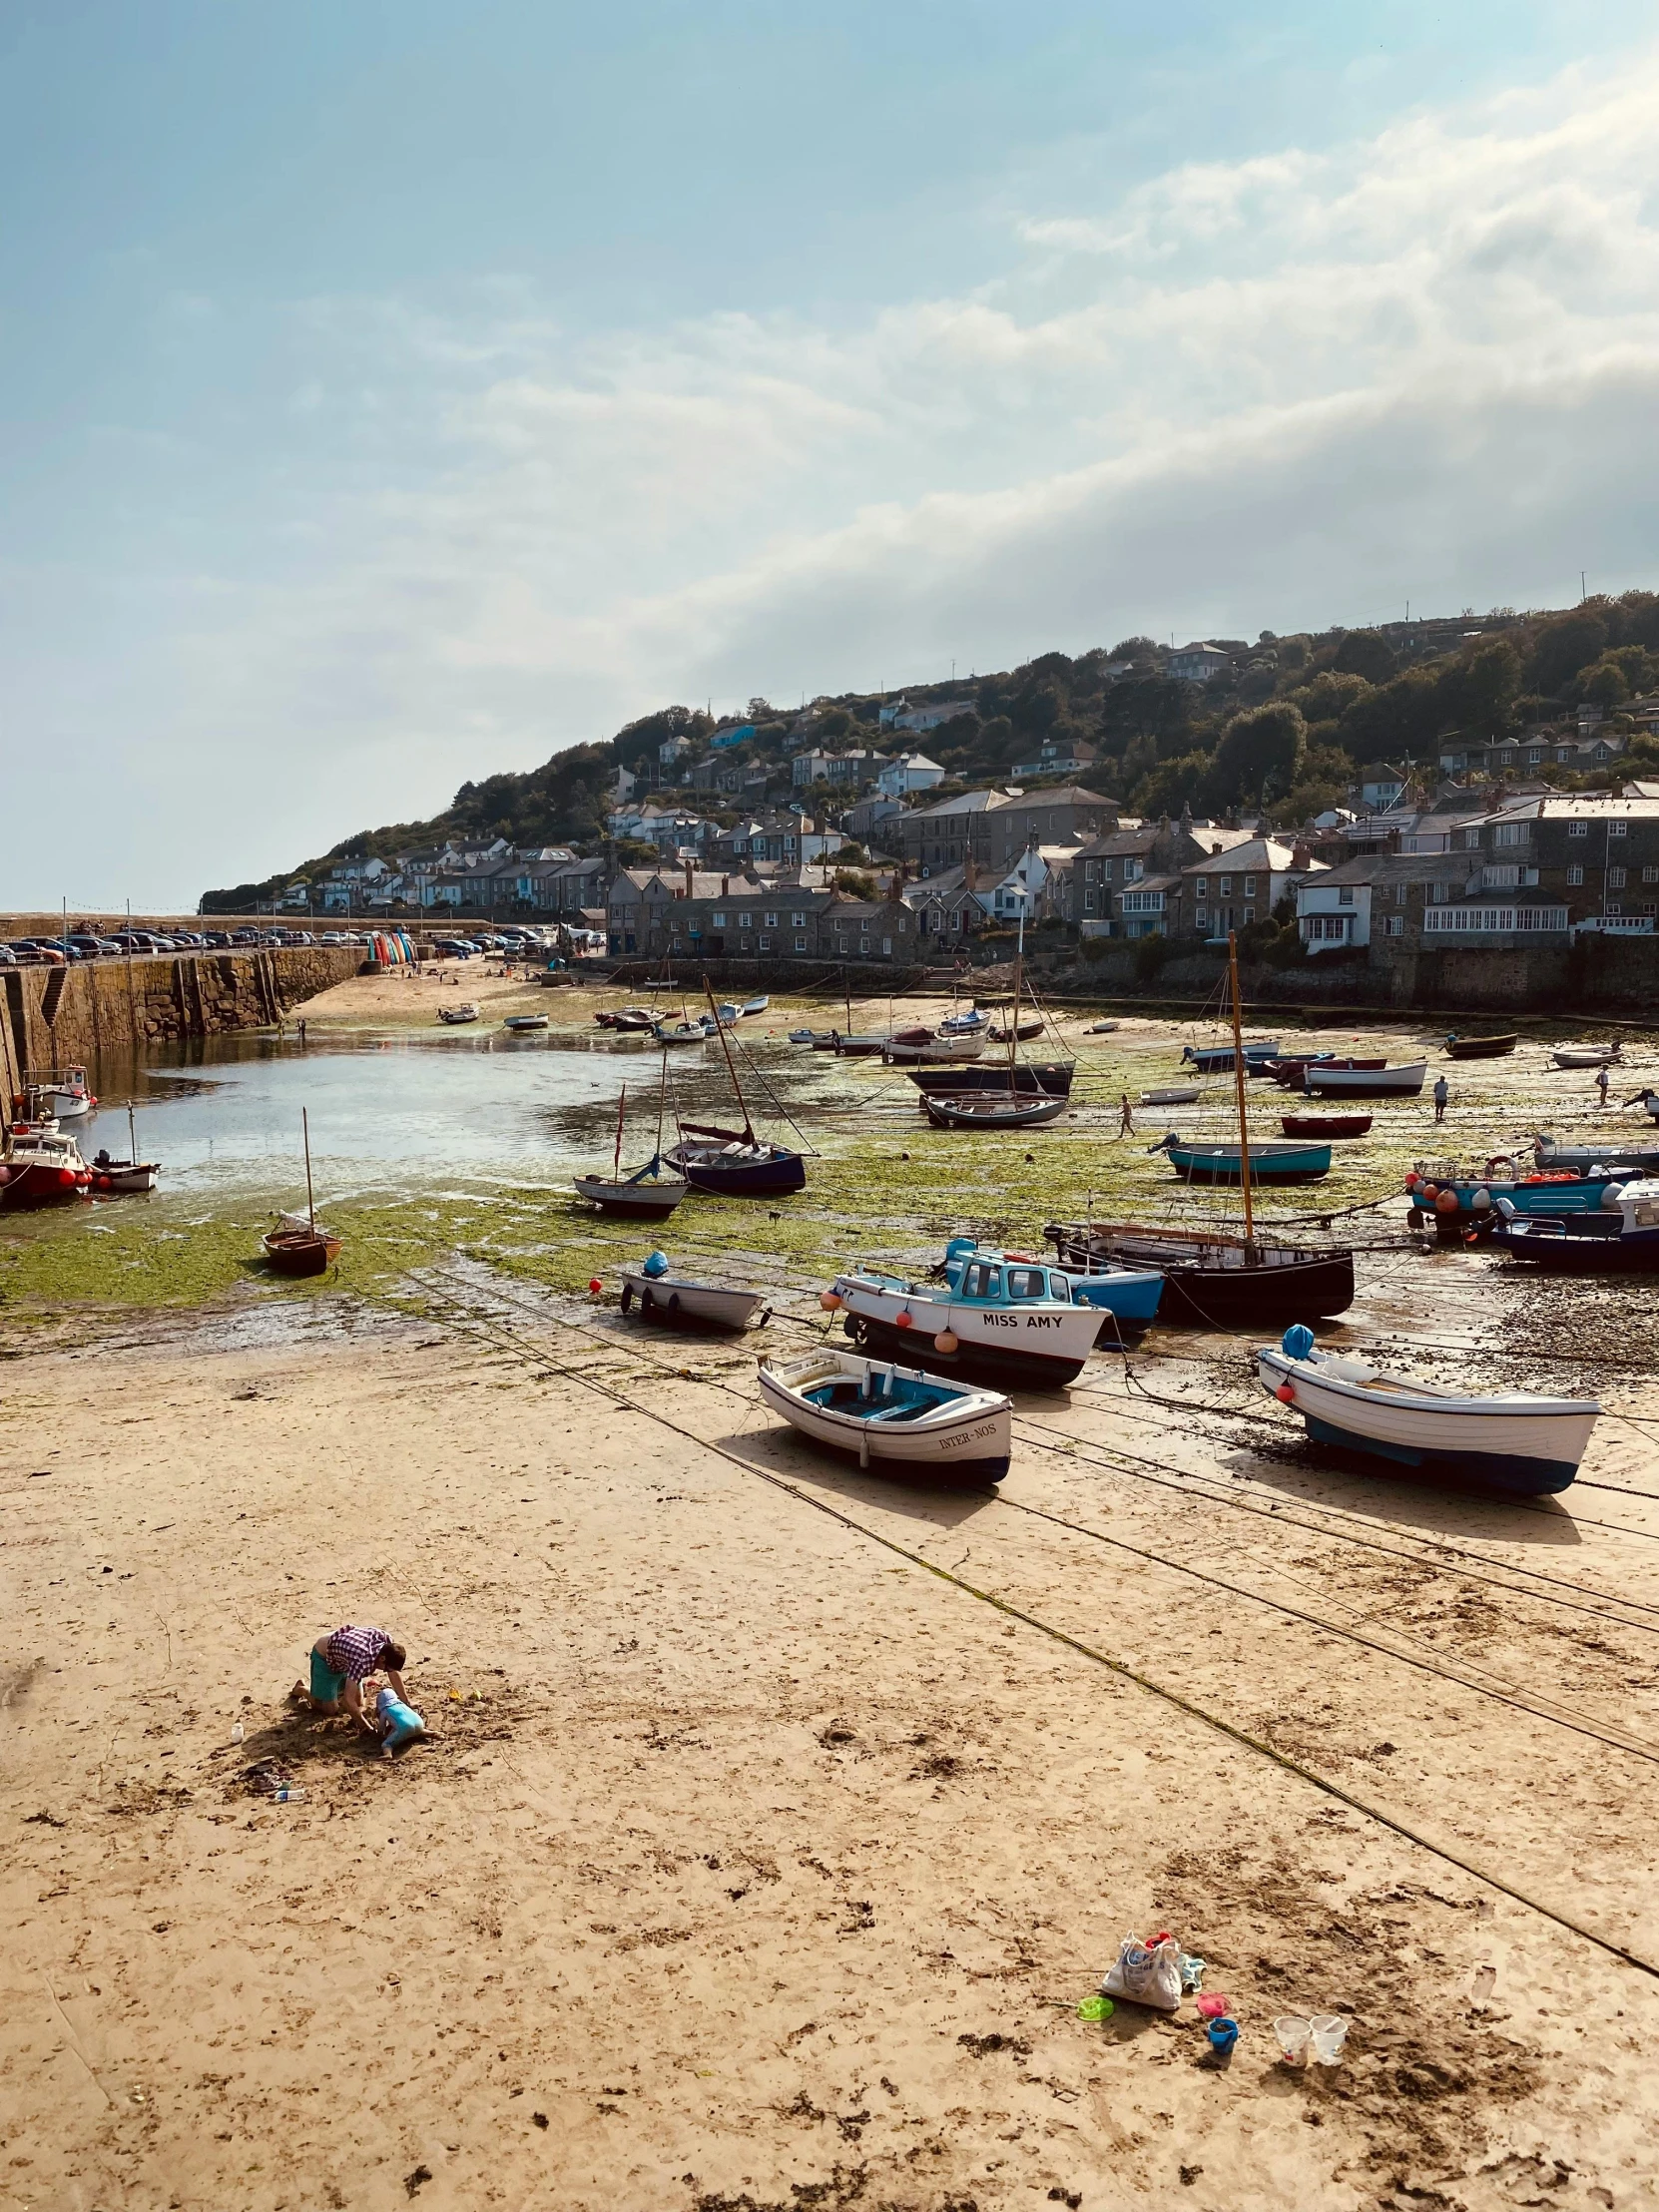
(391, 393)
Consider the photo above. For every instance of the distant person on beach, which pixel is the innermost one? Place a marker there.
(340, 1663)
(1126, 1118)
(1442, 1092)
(1601, 1084)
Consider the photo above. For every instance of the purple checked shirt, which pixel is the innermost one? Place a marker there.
(355, 1652)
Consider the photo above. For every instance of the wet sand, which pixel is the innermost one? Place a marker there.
(753, 1864)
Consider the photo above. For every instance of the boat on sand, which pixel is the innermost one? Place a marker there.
(897, 1419)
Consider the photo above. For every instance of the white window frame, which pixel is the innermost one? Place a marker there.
(1575, 875)
(1617, 829)
(801, 944)
(1615, 879)
(1578, 828)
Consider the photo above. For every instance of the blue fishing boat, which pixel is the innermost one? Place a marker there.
(1273, 1160)
(1621, 1237)
(1217, 1059)
(1459, 1200)
(1132, 1294)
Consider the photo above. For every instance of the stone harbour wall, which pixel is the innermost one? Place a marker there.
(113, 1009)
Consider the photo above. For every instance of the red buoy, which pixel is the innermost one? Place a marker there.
(1285, 1395)
(66, 1176)
(904, 1320)
(595, 1285)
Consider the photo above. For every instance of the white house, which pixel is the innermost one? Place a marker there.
(1242, 884)
(1196, 663)
(910, 772)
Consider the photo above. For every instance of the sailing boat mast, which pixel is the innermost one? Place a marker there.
(724, 1046)
(1238, 1087)
(1013, 1020)
(621, 1109)
(305, 1133)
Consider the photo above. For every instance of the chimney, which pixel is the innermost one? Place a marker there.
(689, 877)
(1301, 858)
(725, 886)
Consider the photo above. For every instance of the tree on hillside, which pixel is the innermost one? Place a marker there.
(1158, 707)
(1564, 646)
(1365, 653)
(1172, 784)
(1259, 755)
(1481, 692)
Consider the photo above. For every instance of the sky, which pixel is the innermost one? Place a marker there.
(399, 392)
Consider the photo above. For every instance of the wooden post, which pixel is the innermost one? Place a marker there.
(1238, 1087)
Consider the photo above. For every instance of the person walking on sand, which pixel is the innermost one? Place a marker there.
(1443, 1091)
(1126, 1117)
(339, 1663)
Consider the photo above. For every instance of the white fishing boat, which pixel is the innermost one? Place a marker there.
(757, 1005)
(1172, 1094)
(67, 1096)
(895, 1418)
(1511, 1440)
(1352, 1082)
(522, 1024)
(680, 1032)
(1586, 1055)
(1003, 1315)
(465, 1011)
(684, 1301)
(1101, 1028)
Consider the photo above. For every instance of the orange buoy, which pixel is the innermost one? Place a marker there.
(904, 1320)
(830, 1301)
(947, 1342)
(1286, 1394)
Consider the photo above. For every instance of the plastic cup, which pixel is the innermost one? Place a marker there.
(1330, 2033)
(1295, 2034)
(1223, 2034)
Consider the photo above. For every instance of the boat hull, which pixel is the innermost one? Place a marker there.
(1406, 1082)
(1329, 1126)
(1531, 1452)
(638, 1201)
(28, 1190)
(1218, 1059)
(1210, 1285)
(1269, 1163)
(296, 1252)
(678, 1304)
(1587, 1056)
(1480, 1048)
(1130, 1296)
(998, 1362)
(1041, 1078)
(968, 1443)
(705, 1169)
(990, 1110)
(941, 1051)
(1625, 1159)
(124, 1179)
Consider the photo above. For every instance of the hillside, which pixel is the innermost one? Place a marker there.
(1283, 727)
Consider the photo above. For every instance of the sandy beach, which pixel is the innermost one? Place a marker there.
(752, 1863)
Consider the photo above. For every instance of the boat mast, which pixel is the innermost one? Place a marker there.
(1014, 1021)
(310, 1200)
(621, 1109)
(131, 1135)
(719, 1032)
(662, 1108)
(1238, 1087)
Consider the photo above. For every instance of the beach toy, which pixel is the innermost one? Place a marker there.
(1223, 2034)
(1330, 2033)
(1211, 2007)
(1294, 2033)
(1096, 2008)
(402, 1723)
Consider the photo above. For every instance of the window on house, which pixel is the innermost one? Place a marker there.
(772, 921)
(1226, 886)
(1613, 908)
(765, 944)
(799, 921)
(1249, 887)
(887, 946)
(1471, 837)
(1344, 896)
(863, 944)
(801, 944)
(717, 921)
(1250, 913)
(1396, 926)
(1578, 828)
(1575, 875)
(1615, 879)
(1650, 875)
(1510, 833)
(1401, 893)
(1617, 829)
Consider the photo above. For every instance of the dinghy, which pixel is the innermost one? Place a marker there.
(129, 1178)
(1291, 1072)
(1003, 1315)
(662, 1294)
(1333, 1080)
(1325, 1125)
(1480, 1048)
(991, 1110)
(522, 1024)
(1586, 1055)
(754, 1006)
(1271, 1160)
(1172, 1094)
(1101, 1028)
(1218, 1059)
(297, 1245)
(454, 1015)
(935, 1050)
(682, 1032)
(897, 1419)
(1511, 1441)
(649, 1194)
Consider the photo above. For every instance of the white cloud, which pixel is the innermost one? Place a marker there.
(1294, 388)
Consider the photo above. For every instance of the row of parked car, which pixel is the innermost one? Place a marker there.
(83, 945)
(511, 943)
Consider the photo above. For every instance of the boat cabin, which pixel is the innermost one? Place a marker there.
(1003, 1277)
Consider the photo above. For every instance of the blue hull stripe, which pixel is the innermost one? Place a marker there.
(1503, 1471)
